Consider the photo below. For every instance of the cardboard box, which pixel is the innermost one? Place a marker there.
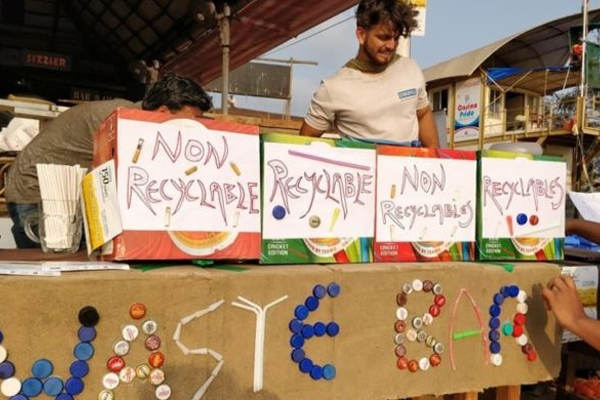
(426, 204)
(186, 188)
(318, 200)
(521, 207)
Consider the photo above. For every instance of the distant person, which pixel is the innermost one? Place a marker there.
(377, 96)
(576, 55)
(562, 298)
(68, 140)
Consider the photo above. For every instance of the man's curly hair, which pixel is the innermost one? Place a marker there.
(176, 92)
(400, 14)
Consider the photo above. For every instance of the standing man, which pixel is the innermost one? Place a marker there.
(68, 140)
(377, 96)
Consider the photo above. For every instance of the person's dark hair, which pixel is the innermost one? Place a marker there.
(5, 118)
(399, 13)
(176, 92)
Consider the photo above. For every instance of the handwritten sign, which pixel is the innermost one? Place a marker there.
(181, 176)
(522, 198)
(318, 191)
(425, 199)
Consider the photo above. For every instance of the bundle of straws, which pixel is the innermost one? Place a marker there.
(60, 188)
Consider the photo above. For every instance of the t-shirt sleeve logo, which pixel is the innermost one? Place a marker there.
(407, 94)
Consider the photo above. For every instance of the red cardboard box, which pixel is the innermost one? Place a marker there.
(188, 189)
(426, 204)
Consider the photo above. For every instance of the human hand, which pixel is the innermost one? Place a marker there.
(562, 298)
(570, 226)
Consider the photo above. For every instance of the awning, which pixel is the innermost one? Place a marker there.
(257, 28)
(538, 80)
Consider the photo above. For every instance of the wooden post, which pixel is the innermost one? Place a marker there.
(508, 393)
(465, 396)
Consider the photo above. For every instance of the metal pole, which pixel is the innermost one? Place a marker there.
(584, 35)
(225, 31)
(583, 91)
(288, 101)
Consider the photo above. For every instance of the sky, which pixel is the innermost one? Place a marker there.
(452, 27)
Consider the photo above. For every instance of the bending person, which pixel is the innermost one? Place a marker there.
(68, 140)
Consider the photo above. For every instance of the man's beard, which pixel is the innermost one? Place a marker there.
(372, 56)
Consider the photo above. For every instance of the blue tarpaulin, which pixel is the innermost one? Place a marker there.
(497, 74)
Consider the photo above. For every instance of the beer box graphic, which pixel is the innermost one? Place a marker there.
(186, 188)
(521, 212)
(318, 200)
(426, 204)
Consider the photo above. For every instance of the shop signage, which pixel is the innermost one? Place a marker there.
(85, 94)
(40, 59)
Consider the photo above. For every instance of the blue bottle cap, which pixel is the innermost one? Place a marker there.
(73, 386)
(19, 397)
(495, 310)
(308, 331)
(42, 368)
(316, 372)
(498, 299)
(64, 396)
(53, 386)
(298, 355)
(494, 347)
(7, 370)
(328, 372)
(522, 219)
(505, 290)
(79, 368)
(319, 291)
(296, 326)
(312, 303)
(31, 387)
(333, 329)
(494, 323)
(513, 290)
(86, 333)
(494, 335)
(301, 312)
(278, 212)
(306, 365)
(319, 329)
(1, 337)
(297, 341)
(333, 289)
(83, 351)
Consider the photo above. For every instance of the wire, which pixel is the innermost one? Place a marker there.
(311, 36)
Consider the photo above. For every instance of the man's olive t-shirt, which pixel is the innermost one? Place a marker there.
(67, 140)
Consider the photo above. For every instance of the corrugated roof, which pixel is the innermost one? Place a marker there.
(542, 46)
(109, 44)
(463, 65)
